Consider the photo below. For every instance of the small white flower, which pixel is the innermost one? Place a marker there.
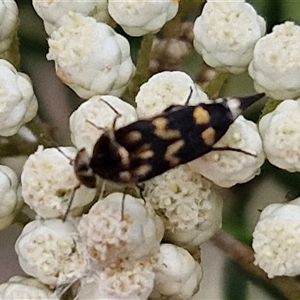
(18, 102)
(47, 250)
(165, 89)
(225, 34)
(227, 168)
(9, 22)
(90, 57)
(139, 17)
(280, 131)
(52, 11)
(111, 238)
(126, 283)
(48, 182)
(177, 275)
(190, 208)
(21, 287)
(276, 239)
(96, 111)
(275, 67)
(10, 200)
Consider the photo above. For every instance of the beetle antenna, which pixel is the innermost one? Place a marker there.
(189, 96)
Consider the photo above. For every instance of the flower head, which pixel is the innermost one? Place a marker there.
(21, 287)
(226, 32)
(94, 113)
(122, 283)
(47, 250)
(165, 89)
(9, 22)
(90, 57)
(143, 16)
(227, 168)
(177, 274)
(52, 11)
(48, 182)
(190, 208)
(112, 236)
(280, 131)
(10, 200)
(18, 101)
(276, 239)
(275, 67)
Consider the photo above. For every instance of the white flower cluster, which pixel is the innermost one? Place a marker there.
(275, 67)
(89, 120)
(9, 22)
(10, 198)
(190, 208)
(18, 101)
(165, 89)
(177, 274)
(90, 56)
(139, 17)
(280, 131)
(226, 32)
(276, 239)
(21, 287)
(48, 251)
(48, 183)
(52, 11)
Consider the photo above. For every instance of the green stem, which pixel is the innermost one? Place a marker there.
(142, 68)
(214, 87)
(270, 106)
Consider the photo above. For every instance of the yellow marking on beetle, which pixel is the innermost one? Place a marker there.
(201, 116)
(146, 154)
(133, 136)
(160, 123)
(161, 130)
(142, 170)
(125, 176)
(172, 151)
(124, 155)
(208, 136)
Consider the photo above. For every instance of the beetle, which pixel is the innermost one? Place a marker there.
(149, 147)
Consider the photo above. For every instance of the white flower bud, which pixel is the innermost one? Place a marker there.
(190, 208)
(98, 112)
(123, 283)
(20, 287)
(112, 235)
(165, 89)
(275, 67)
(52, 11)
(10, 200)
(227, 168)
(225, 34)
(9, 22)
(168, 54)
(177, 275)
(276, 239)
(18, 102)
(47, 250)
(48, 182)
(140, 17)
(280, 131)
(90, 57)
